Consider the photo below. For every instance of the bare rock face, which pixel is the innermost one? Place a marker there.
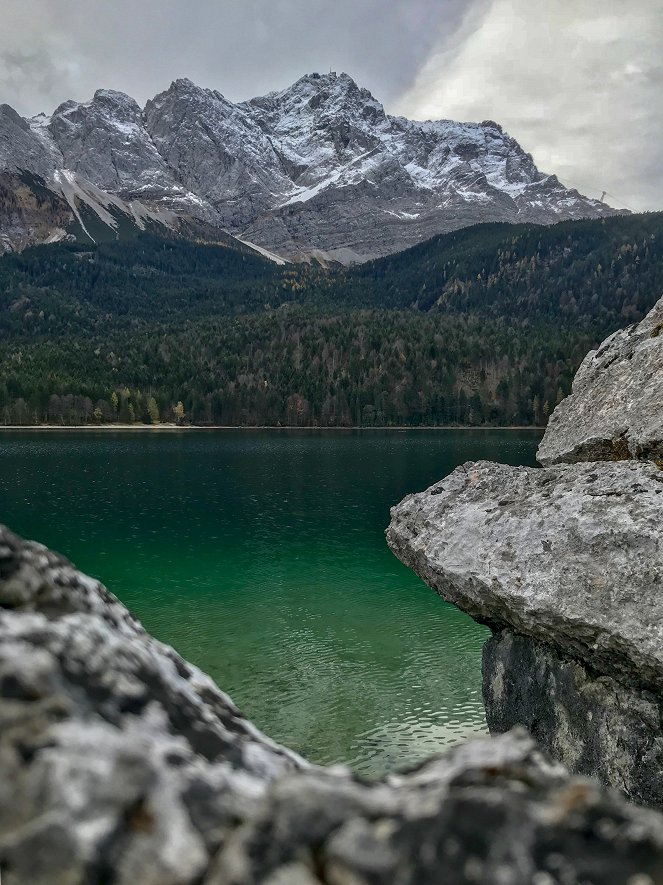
(315, 170)
(30, 213)
(571, 555)
(104, 140)
(589, 721)
(616, 408)
(487, 812)
(21, 148)
(120, 762)
(570, 559)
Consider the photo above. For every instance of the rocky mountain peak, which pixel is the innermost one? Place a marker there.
(105, 141)
(186, 91)
(117, 102)
(182, 84)
(317, 168)
(12, 118)
(21, 149)
(107, 107)
(315, 98)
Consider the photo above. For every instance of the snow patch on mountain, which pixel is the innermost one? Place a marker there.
(77, 190)
(264, 252)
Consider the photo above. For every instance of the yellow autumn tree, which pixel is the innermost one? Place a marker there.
(153, 410)
(178, 412)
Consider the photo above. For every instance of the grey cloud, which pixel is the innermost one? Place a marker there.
(241, 47)
(32, 72)
(578, 82)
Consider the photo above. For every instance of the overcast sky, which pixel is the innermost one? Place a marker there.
(578, 82)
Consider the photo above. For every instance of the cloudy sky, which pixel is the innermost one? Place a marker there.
(578, 82)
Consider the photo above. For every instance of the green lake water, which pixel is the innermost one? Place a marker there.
(260, 556)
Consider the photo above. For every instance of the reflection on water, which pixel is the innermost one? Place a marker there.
(261, 557)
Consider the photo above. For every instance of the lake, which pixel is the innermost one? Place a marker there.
(260, 556)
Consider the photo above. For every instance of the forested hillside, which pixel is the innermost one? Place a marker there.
(483, 326)
(597, 273)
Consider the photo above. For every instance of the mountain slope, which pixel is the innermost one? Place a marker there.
(590, 272)
(316, 170)
(482, 326)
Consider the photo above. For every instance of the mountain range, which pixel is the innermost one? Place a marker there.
(318, 170)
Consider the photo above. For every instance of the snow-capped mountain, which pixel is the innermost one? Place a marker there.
(318, 169)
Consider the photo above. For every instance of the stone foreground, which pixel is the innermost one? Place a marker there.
(120, 762)
(616, 408)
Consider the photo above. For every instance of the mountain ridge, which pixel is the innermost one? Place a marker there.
(316, 170)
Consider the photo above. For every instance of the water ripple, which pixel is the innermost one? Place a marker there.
(261, 557)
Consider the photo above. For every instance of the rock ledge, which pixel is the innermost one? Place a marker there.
(571, 555)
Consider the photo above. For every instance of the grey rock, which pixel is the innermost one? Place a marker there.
(565, 565)
(316, 170)
(571, 555)
(121, 762)
(615, 408)
(21, 149)
(119, 759)
(105, 141)
(587, 720)
(492, 811)
(30, 212)
(217, 151)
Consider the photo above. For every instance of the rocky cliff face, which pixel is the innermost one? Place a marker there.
(120, 762)
(565, 564)
(317, 169)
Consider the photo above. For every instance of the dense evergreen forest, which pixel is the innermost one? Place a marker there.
(483, 326)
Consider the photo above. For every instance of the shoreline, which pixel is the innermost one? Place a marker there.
(174, 428)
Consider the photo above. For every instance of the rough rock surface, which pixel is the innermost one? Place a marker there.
(120, 762)
(489, 812)
(589, 721)
(30, 213)
(570, 556)
(115, 152)
(316, 169)
(615, 410)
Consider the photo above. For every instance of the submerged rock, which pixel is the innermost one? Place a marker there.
(570, 560)
(120, 762)
(616, 408)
